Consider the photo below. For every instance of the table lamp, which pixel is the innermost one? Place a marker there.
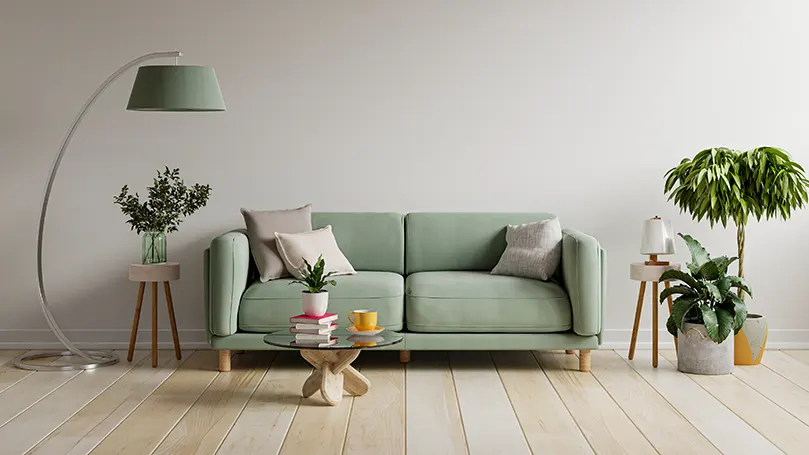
(159, 88)
(657, 239)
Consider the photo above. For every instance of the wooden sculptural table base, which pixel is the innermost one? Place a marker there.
(333, 374)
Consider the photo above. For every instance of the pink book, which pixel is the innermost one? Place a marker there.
(315, 329)
(322, 320)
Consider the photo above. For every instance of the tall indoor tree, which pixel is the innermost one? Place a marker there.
(722, 184)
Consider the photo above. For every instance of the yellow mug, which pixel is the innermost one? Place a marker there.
(363, 320)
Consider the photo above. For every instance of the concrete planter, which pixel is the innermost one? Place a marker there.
(751, 340)
(698, 354)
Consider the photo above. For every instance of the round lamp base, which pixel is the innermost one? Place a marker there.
(100, 359)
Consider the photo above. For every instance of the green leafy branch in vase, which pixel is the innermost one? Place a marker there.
(169, 201)
(705, 294)
(313, 278)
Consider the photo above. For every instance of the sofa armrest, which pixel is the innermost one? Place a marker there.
(227, 268)
(583, 264)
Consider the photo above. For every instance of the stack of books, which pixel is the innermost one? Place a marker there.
(314, 331)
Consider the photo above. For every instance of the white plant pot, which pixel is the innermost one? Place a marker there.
(698, 354)
(315, 304)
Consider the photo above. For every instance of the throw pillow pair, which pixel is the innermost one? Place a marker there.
(280, 240)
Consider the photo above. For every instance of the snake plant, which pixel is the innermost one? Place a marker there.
(705, 294)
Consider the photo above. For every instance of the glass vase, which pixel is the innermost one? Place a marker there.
(153, 247)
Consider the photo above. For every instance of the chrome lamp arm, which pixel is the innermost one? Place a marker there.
(91, 359)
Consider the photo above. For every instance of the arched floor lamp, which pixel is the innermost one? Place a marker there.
(162, 88)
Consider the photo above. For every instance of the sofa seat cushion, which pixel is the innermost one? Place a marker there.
(267, 307)
(480, 302)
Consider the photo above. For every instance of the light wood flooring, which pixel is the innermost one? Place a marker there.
(440, 403)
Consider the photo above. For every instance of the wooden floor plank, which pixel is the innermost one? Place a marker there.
(264, 422)
(84, 430)
(9, 374)
(778, 426)
(788, 366)
(606, 427)
(727, 431)
(27, 429)
(146, 427)
(546, 422)
(667, 430)
(317, 428)
(802, 355)
(30, 389)
(778, 389)
(205, 425)
(433, 419)
(377, 420)
(490, 424)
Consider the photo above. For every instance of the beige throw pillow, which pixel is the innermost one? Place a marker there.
(533, 250)
(261, 228)
(295, 247)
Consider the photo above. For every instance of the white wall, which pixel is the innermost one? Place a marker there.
(577, 108)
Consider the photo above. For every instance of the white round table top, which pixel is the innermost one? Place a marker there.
(639, 271)
(167, 271)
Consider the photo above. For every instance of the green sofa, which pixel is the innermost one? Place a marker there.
(428, 276)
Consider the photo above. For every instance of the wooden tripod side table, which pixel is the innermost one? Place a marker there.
(642, 272)
(154, 273)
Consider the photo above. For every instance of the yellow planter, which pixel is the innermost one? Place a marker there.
(751, 340)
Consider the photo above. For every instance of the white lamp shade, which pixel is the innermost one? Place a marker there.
(658, 237)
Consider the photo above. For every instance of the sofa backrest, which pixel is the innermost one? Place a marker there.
(459, 241)
(370, 241)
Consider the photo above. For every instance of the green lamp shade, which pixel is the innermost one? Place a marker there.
(176, 88)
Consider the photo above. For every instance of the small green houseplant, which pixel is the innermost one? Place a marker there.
(707, 304)
(314, 279)
(168, 202)
(721, 185)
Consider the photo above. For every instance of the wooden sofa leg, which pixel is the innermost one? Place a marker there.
(224, 360)
(570, 351)
(584, 360)
(404, 356)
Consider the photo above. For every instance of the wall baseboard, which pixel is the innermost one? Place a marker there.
(100, 339)
(196, 339)
(777, 339)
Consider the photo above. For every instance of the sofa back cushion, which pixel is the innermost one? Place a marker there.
(458, 241)
(370, 241)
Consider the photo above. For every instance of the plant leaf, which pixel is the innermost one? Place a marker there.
(699, 255)
(674, 290)
(708, 271)
(725, 324)
(680, 276)
(713, 290)
(739, 312)
(740, 283)
(711, 322)
(680, 308)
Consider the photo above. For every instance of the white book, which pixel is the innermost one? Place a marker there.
(312, 337)
(313, 328)
(315, 344)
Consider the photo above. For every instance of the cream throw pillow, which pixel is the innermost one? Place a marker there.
(309, 245)
(533, 250)
(261, 228)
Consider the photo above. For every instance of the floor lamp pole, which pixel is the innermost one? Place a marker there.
(90, 359)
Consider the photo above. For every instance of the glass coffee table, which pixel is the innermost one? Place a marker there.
(333, 371)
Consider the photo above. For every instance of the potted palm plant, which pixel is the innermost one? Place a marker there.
(314, 297)
(724, 185)
(706, 311)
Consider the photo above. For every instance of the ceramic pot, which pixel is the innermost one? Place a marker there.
(315, 304)
(696, 353)
(749, 343)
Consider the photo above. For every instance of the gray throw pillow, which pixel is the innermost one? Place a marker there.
(533, 250)
(261, 228)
